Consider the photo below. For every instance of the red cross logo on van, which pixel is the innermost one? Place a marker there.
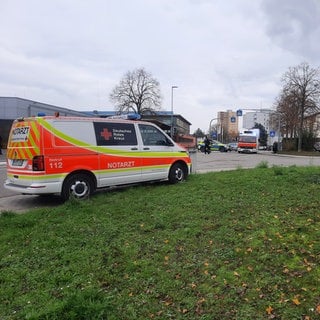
(106, 134)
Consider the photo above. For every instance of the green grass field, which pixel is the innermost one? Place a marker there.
(241, 244)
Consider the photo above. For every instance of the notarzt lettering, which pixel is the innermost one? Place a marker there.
(116, 165)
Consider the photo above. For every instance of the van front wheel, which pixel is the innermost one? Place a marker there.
(77, 186)
(177, 173)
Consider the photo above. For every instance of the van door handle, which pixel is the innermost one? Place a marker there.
(146, 148)
(134, 148)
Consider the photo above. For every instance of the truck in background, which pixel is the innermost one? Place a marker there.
(248, 141)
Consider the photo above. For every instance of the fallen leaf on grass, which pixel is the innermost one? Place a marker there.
(269, 310)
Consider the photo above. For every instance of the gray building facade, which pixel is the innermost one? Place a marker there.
(12, 108)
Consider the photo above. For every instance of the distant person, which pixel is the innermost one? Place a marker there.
(206, 145)
(0, 145)
(275, 147)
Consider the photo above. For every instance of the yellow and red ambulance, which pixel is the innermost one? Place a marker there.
(74, 156)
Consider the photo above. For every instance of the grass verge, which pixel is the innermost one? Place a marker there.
(241, 244)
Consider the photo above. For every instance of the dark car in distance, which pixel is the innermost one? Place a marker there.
(316, 146)
(232, 146)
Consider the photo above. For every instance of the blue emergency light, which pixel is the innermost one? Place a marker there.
(129, 116)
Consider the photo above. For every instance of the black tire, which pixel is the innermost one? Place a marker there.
(177, 173)
(222, 149)
(77, 186)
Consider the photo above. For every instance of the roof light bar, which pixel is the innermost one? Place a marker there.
(129, 116)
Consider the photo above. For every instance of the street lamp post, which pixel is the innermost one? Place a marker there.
(171, 130)
(279, 129)
(211, 124)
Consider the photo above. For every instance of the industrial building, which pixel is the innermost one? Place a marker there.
(12, 108)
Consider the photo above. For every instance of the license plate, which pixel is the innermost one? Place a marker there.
(17, 162)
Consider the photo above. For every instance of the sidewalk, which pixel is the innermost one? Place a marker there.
(3, 157)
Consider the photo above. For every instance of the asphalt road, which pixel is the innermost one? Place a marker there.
(216, 161)
(219, 161)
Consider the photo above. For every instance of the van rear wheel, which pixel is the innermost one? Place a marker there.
(177, 173)
(77, 186)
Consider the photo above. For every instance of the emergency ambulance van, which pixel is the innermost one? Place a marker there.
(248, 141)
(74, 156)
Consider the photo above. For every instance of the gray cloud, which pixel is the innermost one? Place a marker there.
(221, 54)
(294, 26)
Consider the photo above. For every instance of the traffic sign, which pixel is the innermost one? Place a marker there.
(239, 113)
(233, 119)
(272, 133)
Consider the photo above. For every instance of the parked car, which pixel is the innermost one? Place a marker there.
(316, 146)
(214, 146)
(232, 146)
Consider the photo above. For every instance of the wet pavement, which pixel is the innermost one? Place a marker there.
(3, 156)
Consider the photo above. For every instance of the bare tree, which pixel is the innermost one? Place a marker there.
(138, 91)
(301, 92)
(288, 111)
(199, 133)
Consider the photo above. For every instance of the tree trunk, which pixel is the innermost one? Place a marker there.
(300, 133)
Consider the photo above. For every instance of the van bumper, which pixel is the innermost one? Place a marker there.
(247, 150)
(35, 188)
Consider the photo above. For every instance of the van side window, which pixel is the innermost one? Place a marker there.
(152, 136)
(82, 131)
(115, 134)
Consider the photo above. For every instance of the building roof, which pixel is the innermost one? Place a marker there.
(147, 116)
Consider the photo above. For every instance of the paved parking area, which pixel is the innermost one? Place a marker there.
(218, 161)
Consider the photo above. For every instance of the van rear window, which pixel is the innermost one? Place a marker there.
(20, 134)
(115, 134)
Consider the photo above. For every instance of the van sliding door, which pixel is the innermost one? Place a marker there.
(118, 149)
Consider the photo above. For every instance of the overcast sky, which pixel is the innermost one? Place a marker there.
(222, 54)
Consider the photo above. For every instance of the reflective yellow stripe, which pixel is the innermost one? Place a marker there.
(26, 149)
(34, 143)
(35, 129)
(34, 177)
